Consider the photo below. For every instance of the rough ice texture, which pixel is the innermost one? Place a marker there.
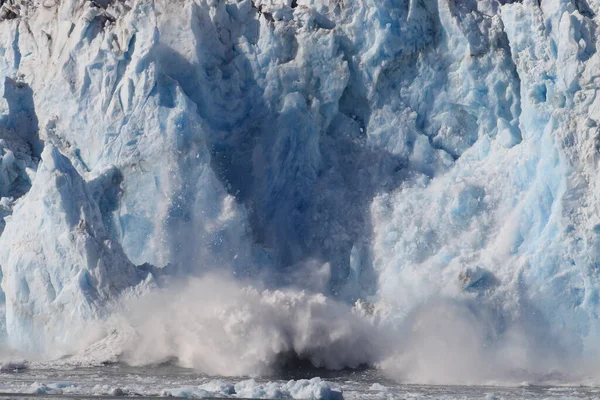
(417, 149)
(82, 267)
(313, 389)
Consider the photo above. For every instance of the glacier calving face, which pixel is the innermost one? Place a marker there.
(404, 151)
(84, 269)
(526, 214)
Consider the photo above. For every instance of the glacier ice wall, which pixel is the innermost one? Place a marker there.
(514, 220)
(83, 267)
(401, 151)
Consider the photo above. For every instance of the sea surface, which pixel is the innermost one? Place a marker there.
(120, 381)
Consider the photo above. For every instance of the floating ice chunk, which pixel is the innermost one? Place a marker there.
(378, 387)
(188, 392)
(254, 390)
(219, 386)
(57, 388)
(314, 389)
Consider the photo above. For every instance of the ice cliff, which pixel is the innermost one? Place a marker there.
(400, 151)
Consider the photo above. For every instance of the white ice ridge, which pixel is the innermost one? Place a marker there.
(409, 152)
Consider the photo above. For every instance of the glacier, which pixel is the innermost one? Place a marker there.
(412, 180)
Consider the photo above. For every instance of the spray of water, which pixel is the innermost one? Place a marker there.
(220, 326)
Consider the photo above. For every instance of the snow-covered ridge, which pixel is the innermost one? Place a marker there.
(401, 151)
